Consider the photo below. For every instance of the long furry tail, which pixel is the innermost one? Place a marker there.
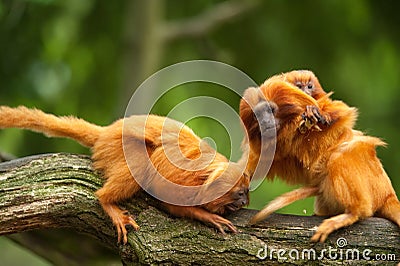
(284, 200)
(69, 127)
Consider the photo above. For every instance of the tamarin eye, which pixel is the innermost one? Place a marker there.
(310, 86)
(299, 85)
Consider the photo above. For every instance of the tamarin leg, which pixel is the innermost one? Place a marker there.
(356, 206)
(391, 210)
(201, 214)
(108, 200)
(108, 158)
(119, 186)
(345, 191)
(332, 224)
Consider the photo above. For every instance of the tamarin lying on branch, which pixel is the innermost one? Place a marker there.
(155, 146)
(317, 147)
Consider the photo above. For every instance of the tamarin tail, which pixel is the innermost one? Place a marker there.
(50, 125)
(284, 200)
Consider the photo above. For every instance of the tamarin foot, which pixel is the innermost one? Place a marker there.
(120, 219)
(332, 224)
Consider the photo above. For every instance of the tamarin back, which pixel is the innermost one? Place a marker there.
(163, 139)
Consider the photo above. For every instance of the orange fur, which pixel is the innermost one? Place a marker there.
(160, 136)
(334, 162)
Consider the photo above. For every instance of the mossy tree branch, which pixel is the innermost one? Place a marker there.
(57, 190)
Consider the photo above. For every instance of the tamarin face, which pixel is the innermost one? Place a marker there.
(234, 202)
(239, 196)
(306, 85)
(265, 112)
(306, 81)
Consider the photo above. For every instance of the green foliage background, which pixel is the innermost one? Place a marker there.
(87, 57)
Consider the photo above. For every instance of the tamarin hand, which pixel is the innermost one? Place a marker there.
(220, 180)
(311, 118)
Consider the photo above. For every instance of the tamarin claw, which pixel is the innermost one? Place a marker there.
(306, 125)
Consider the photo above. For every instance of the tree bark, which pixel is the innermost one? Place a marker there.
(57, 190)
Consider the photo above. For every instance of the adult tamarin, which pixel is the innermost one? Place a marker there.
(317, 147)
(164, 140)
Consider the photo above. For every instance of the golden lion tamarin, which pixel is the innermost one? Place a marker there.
(164, 140)
(317, 147)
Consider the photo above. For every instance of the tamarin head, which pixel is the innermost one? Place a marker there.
(305, 80)
(236, 197)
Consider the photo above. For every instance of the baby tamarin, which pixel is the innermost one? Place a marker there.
(163, 140)
(317, 147)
